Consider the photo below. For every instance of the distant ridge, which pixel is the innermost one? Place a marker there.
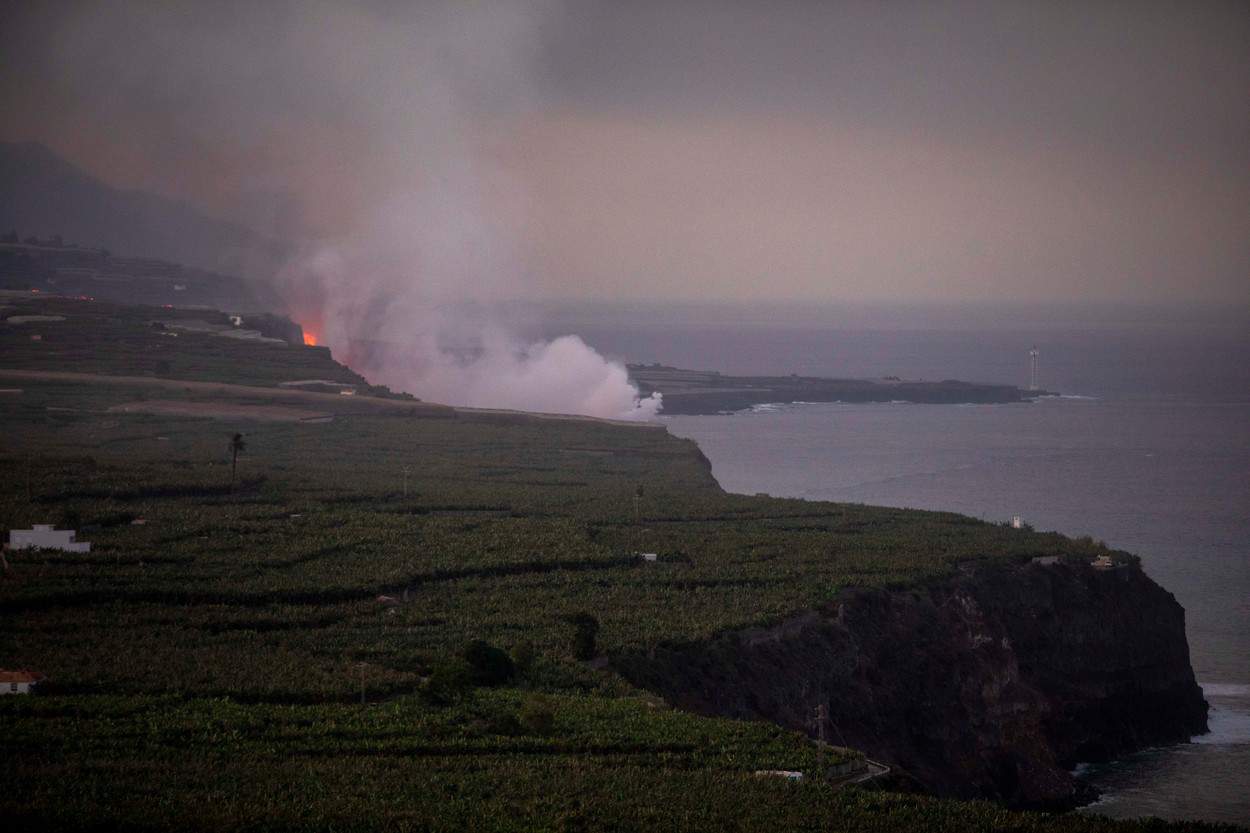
(42, 194)
(710, 392)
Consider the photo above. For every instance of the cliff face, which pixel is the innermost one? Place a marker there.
(991, 684)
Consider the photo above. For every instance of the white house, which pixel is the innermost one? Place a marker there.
(19, 682)
(43, 536)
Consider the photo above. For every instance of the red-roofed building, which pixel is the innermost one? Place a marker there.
(19, 682)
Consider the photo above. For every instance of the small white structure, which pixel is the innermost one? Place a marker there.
(321, 386)
(1103, 562)
(648, 556)
(43, 536)
(1017, 522)
(788, 774)
(19, 682)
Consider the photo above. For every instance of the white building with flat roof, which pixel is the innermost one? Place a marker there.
(43, 536)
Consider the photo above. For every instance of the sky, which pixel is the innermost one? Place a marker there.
(727, 151)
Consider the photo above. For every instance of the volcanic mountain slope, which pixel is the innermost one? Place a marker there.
(43, 195)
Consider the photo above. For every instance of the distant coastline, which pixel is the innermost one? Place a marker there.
(700, 392)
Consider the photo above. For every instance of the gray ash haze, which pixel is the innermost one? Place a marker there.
(430, 161)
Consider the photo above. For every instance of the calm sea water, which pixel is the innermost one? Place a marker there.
(1148, 449)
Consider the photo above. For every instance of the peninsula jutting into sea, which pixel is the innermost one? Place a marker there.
(689, 392)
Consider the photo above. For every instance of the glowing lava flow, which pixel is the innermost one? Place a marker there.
(310, 338)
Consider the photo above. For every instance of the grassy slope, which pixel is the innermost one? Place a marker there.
(100, 337)
(207, 662)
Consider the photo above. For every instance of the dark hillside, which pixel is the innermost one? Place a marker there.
(31, 264)
(41, 194)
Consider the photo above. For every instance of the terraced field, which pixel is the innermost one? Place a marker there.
(208, 659)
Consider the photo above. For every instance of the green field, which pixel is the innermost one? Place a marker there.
(100, 337)
(207, 665)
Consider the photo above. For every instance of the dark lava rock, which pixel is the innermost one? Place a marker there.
(990, 684)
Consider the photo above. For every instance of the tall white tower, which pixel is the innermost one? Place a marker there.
(1033, 354)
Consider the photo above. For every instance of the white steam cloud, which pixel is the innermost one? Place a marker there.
(377, 131)
(424, 337)
(410, 296)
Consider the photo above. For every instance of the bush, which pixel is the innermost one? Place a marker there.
(488, 665)
(537, 715)
(448, 681)
(523, 657)
(111, 519)
(586, 629)
(503, 723)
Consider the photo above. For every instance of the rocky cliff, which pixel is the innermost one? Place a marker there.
(992, 683)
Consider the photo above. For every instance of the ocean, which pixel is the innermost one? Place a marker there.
(1147, 447)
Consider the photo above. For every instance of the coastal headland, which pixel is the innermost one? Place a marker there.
(409, 616)
(691, 392)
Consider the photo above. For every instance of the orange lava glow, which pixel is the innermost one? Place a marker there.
(310, 338)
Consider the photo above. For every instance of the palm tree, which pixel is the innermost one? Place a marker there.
(236, 445)
(638, 519)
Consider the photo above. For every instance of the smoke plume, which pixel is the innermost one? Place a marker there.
(410, 296)
(823, 153)
(379, 132)
(366, 301)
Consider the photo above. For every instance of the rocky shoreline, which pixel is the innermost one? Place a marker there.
(993, 683)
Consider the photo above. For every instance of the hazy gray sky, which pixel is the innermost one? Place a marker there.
(729, 150)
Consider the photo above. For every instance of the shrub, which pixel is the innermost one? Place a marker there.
(503, 723)
(537, 715)
(448, 681)
(523, 657)
(586, 628)
(488, 665)
(111, 519)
